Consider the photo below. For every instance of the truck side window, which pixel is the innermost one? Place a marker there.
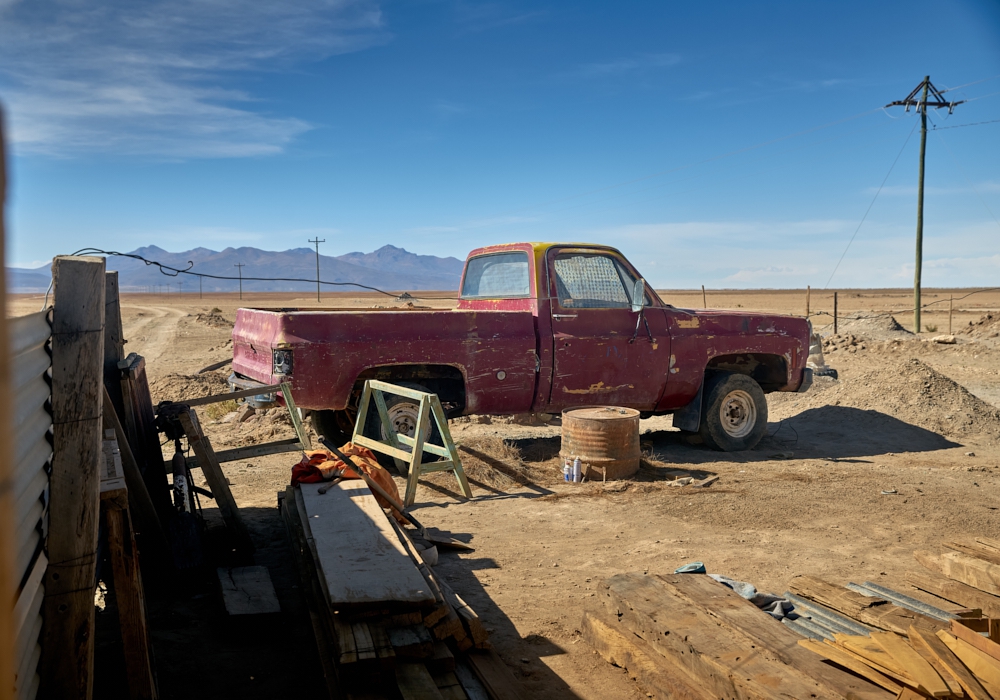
(587, 281)
(629, 280)
(497, 276)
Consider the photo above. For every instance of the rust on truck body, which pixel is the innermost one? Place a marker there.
(542, 349)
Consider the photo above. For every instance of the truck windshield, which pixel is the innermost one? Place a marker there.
(496, 276)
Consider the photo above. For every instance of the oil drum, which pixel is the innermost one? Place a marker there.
(606, 437)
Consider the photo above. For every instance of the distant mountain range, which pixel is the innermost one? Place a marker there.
(389, 268)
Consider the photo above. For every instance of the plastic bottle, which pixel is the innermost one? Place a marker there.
(577, 470)
(567, 470)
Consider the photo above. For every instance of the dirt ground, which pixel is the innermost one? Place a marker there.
(900, 453)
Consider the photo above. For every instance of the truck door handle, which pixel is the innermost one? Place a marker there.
(563, 315)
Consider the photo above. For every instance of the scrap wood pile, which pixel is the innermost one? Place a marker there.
(686, 635)
(385, 625)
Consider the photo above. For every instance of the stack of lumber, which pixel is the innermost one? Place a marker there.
(385, 625)
(688, 636)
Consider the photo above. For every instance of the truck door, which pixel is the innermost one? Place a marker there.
(596, 361)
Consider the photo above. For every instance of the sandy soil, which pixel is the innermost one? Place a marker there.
(907, 415)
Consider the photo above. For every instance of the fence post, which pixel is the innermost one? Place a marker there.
(951, 309)
(67, 662)
(835, 313)
(7, 582)
(808, 293)
(704, 299)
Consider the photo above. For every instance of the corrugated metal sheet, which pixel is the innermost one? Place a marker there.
(30, 371)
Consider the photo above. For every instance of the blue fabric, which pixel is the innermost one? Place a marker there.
(695, 567)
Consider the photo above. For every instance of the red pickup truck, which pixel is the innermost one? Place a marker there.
(538, 328)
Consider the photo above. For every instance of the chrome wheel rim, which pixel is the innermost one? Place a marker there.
(403, 418)
(738, 414)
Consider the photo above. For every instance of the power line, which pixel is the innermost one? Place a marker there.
(965, 175)
(958, 126)
(975, 82)
(842, 255)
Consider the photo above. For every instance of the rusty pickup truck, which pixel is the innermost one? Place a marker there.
(537, 328)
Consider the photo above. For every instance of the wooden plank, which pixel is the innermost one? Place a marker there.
(247, 590)
(652, 671)
(698, 629)
(952, 664)
(868, 651)
(989, 542)
(982, 666)
(143, 435)
(441, 659)
(470, 682)
(347, 650)
(851, 663)
(415, 683)
(954, 687)
(239, 453)
(293, 412)
(493, 673)
(975, 550)
(983, 644)
(66, 667)
(139, 498)
(412, 642)
(474, 627)
(916, 667)
(956, 592)
(363, 641)
(961, 567)
(131, 604)
(360, 557)
(216, 478)
(908, 694)
(232, 396)
(448, 685)
(870, 611)
(114, 340)
(383, 647)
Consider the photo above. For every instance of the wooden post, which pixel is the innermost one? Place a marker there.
(7, 582)
(951, 310)
(114, 340)
(131, 602)
(835, 313)
(704, 299)
(66, 667)
(808, 292)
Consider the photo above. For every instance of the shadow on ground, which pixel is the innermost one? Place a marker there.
(827, 432)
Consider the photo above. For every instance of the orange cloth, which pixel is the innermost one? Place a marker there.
(321, 465)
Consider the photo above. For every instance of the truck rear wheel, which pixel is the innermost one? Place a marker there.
(403, 415)
(734, 413)
(336, 426)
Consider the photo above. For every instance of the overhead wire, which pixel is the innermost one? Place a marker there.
(966, 176)
(975, 82)
(861, 223)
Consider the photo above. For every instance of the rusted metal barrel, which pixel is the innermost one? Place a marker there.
(606, 437)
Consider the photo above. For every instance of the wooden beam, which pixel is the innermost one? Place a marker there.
(66, 667)
(983, 644)
(916, 667)
(870, 611)
(957, 592)
(216, 478)
(131, 604)
(652, 671)
(961, 567)
(114, 339)
(849, 661)
(262, 450)
(493, 673)
(976, 551)
(7, 555)
(415, 683)
(218, 398)
(247, 590)
(983, 666)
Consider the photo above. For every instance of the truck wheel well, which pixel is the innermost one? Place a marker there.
(770, 371)
(444, 380)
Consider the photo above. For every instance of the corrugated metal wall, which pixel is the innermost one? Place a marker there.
(30, 371)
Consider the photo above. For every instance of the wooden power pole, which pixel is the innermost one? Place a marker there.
(317, 241)
(925, 87)
(240, 267)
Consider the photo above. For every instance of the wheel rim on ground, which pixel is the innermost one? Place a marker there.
(738, 413)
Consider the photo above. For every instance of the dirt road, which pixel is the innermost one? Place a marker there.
(902, 452)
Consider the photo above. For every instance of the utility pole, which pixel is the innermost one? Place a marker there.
(922, 104)
(317, 241)
(240, 266)
(199, 286)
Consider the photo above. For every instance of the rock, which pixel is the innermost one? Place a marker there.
(245, 413)
(944, 339)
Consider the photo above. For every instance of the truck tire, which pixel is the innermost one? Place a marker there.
(403, 414)
(734, 414)
(336, 426)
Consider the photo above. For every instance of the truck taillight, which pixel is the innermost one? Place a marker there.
(282, 362)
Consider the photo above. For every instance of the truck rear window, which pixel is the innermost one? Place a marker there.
(496, 276)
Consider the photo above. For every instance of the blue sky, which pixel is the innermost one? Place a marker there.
(441, 126)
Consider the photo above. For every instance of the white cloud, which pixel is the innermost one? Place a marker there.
(148, 78)
(629, 65)
(478, 223)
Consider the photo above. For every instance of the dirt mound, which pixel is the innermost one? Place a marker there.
(880, 327)
(263, 426)
(986, 327)
(214, 319)
(914, 393)
(177, 387)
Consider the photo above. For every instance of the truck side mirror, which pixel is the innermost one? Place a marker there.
(638, 295)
